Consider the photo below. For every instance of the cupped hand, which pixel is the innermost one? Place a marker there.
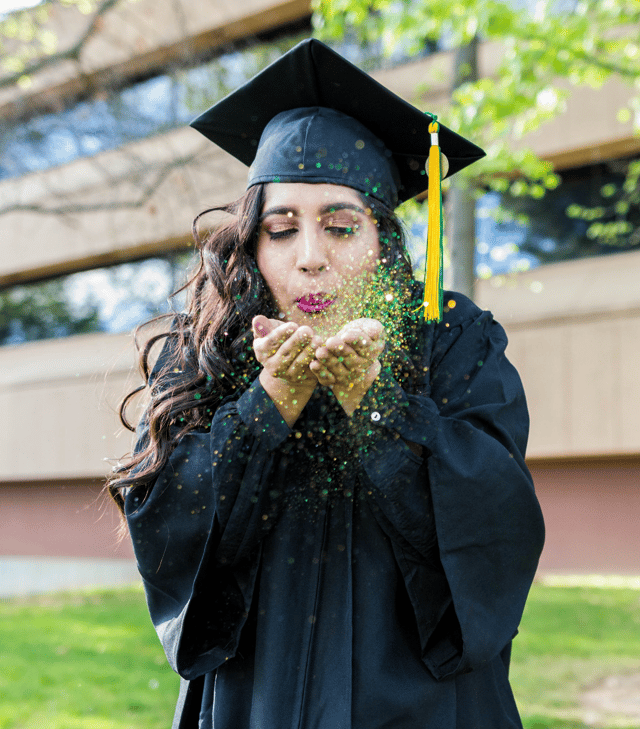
(285, 350)
(350, 358)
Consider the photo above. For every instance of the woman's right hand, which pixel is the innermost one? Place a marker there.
(285, 351)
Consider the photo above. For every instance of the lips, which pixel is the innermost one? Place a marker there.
(313, 303)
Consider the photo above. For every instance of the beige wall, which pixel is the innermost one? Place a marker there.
(574, 331)
(59, 399)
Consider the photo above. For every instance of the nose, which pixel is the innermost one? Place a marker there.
(312, 253)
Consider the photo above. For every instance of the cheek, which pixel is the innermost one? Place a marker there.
(272, 264)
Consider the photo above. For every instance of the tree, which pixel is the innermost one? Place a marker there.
(554, 44)
(28, 44)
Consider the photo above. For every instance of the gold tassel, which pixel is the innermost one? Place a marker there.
(433, 277)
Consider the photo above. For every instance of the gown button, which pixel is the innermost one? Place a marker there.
(375, 416)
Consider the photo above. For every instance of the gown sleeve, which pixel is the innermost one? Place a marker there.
(198, 532)
(463, 518)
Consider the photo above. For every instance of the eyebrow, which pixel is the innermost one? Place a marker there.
(330, 208)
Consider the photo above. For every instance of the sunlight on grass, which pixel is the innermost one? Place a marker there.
(91, 659)
(87, 660)
(570, 639)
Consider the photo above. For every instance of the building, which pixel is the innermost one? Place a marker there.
(99, 181)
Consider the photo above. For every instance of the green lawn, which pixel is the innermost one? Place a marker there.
(571, 638)
(90, 660)
(86, 660)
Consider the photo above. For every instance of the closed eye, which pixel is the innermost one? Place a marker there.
(342, 232)
(286, 233)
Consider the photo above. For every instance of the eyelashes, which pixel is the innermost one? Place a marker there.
(337, 231)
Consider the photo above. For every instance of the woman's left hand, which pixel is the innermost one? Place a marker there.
(348, 362)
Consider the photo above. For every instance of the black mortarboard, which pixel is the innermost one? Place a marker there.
(312, 116)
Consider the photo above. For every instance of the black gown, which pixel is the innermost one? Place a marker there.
(326, 576)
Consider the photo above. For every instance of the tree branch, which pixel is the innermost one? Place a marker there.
(145, 195)
(71, 54)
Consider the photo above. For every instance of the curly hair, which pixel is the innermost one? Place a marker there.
(207, 353)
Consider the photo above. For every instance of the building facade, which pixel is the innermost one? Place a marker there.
(100, 178)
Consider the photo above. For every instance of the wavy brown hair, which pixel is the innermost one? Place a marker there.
(207, 352)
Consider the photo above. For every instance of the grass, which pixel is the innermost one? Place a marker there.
(91, 660)
(570, 639)
(85, 660)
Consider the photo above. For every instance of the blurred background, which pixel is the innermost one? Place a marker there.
(100, 178)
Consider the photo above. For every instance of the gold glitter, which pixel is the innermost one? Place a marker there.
(451, 303)
(359, 144)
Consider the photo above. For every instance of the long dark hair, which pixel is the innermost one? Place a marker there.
(207, 353)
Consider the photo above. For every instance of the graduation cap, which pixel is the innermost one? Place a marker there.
(312, 116)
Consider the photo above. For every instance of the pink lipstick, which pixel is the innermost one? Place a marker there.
(313, 303)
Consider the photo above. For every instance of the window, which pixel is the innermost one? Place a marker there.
(111, 299)
(588, 214)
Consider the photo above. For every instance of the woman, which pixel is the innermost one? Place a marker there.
(328, 499)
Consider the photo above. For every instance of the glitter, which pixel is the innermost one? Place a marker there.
(289, 214)
(300, 166)
(298, 433)
(291, 560)
(197, 396)
(359, 144)
(388, 297)
(318, 165)
(265, 517)
(451, 304)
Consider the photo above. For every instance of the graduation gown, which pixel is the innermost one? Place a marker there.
(325, 576)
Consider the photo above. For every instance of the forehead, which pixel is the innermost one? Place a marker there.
(308, 195)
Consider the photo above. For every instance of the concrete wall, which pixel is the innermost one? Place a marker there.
(62, 396)
(574, 331)
(591, 509)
